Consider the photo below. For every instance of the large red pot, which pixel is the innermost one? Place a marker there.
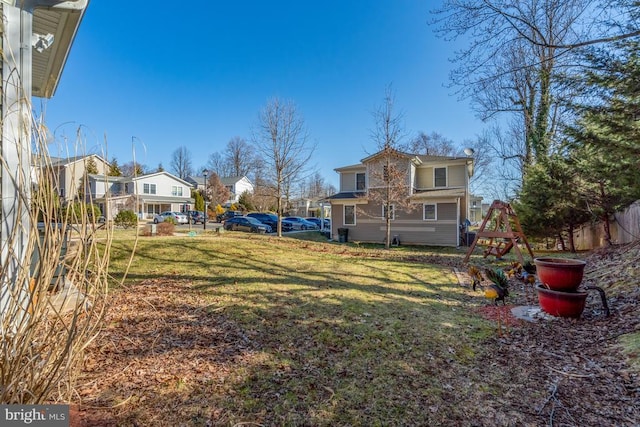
(561, 304)
(560, 274)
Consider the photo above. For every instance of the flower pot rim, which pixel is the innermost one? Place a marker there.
(540, 287)
(551, 261)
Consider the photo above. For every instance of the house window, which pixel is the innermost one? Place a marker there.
(176, 190)
(360, 184)
(440, 177)
(392, 214)
(350, 215)
(430, 212)
(149, 189)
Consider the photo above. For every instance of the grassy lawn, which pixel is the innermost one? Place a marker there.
(243, 328)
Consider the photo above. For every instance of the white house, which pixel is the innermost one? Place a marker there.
(146, 194)
(235, 184)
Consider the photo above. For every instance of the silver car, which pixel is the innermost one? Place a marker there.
(178, 217)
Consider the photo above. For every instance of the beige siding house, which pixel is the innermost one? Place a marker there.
(70, 173)
(437, 200)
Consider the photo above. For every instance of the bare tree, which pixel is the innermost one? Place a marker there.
(240, 156)
(181, 162)
(281, 137)
(510, 65)
(433, 144)
(218, 164)
(388, 183)
(133, 169)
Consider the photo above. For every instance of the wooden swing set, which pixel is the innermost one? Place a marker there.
(503, 237)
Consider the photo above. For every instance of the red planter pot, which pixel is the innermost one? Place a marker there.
(560, 274)
(561, 304)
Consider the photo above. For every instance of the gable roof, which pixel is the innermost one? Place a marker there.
(170, 175)
(62, 161)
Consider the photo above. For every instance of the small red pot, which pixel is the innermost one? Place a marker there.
(560, 274)
(561, 304)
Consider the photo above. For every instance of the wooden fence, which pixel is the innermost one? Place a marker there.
(625, 228)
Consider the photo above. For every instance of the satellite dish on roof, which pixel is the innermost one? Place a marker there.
(469, 151)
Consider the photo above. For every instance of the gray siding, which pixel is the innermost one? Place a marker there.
(407, 225)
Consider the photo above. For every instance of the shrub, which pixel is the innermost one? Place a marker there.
(169, 220)
(126, 219)
(79, 212)
(165, 228)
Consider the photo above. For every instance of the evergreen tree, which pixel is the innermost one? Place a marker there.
(114, 168)
(605, 141)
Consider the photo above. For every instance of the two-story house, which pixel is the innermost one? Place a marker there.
(147, 195)
(435, 199)
(70, 173)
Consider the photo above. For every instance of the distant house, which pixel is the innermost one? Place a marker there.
(70, 173)
(146, 195)
(310, 207)
(438, 194)
(235, 184)
(476, 211)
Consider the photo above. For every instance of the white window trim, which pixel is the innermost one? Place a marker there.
(153, 188)
(344, 215)
(176, 190)
(446, 176)
(393, 211)
(435, 211)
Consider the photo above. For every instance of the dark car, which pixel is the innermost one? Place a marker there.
(271, 220)
(196, 217)
(246, 223)
(228, 214)
(300, 223)
(319, 221)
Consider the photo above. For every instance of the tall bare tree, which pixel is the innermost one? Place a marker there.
(388, 183)
(240, 156)
(282, 140)
(218, 164)
(181, 164)
(510, 65)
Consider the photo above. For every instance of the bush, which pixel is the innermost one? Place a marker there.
(80, 212)
(126, 219)
(169, 220)
(165, 228)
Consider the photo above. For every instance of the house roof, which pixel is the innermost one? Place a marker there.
(150, 175)
(359, 166)
(230, 180)
(347, 195)
(431, 194)
(60, 19)
(61, 161)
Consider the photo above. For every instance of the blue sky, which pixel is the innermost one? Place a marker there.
(167, 74)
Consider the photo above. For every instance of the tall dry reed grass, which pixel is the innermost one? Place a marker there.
(54, 302)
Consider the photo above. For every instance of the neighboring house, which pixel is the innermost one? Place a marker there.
(70, 174)
(476, 211)
(437, 193)
(310, 207)
(146, 195)
(235, 184)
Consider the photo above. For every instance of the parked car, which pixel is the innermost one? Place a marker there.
(246, 223)
(178, 217)
(197, 217)
(300, 223)
(319, 221)
(271, 220)
(228, 214)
